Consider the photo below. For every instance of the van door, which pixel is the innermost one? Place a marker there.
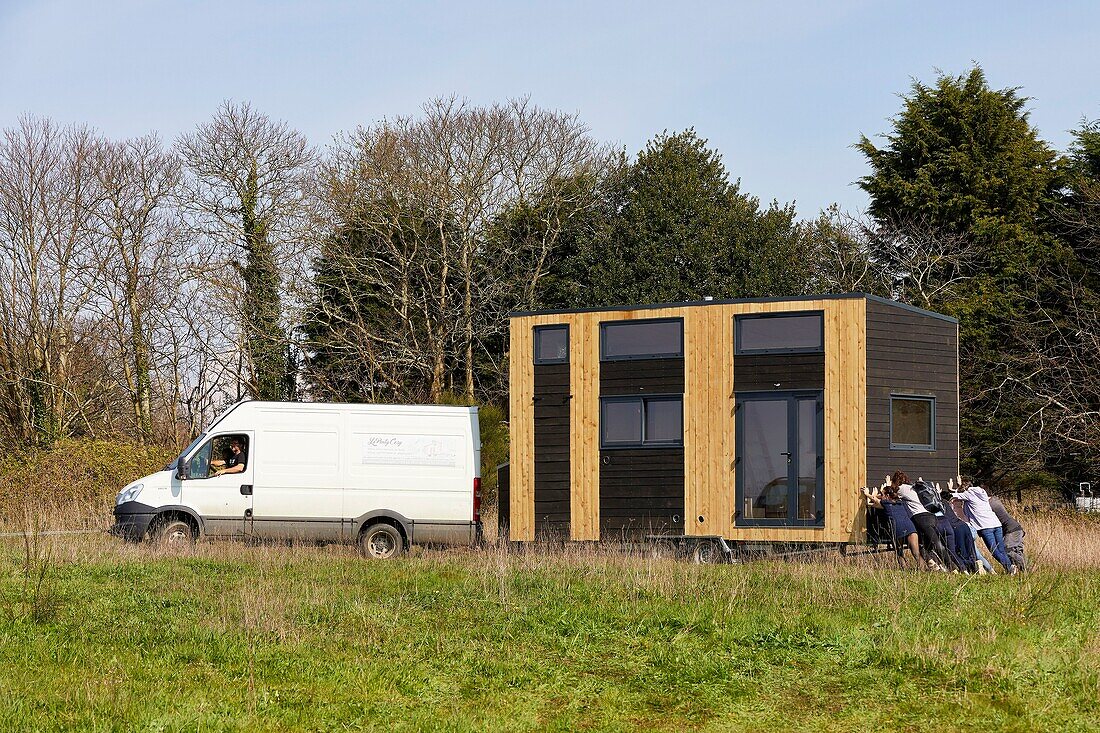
(219, 483)
(299, 490)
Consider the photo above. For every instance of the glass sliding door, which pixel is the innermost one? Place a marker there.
(780, 459)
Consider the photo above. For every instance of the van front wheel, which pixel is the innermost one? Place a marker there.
(174, 533)
(381, 542)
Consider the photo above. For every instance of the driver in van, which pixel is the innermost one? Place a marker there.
(235, 461)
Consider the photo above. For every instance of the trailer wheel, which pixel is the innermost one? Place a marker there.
(174, 533)
(381, 542)
(707, 552)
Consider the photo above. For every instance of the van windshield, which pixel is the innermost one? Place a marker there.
(175, 462)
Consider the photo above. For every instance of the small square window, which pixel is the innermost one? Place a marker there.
(780, 333)
(622, 421)
(664, 420)
(551, 344)
(912, 423)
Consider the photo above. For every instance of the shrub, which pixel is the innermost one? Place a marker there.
(73, 484)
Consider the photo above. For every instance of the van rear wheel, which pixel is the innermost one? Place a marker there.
(381, 542)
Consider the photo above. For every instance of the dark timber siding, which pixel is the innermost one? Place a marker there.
(641, 489)
(503, 500)
(767, 372)
(911, 353)
(552, 449)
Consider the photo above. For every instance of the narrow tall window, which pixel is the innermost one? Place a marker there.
(912, 422)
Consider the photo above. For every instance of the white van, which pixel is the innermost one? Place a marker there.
(384, 476)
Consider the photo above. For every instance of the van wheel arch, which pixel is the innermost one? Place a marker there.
(174, 515)
(403, 525)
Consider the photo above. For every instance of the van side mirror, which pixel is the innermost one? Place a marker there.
(183, 470)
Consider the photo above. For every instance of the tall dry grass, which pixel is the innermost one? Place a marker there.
(72, 486)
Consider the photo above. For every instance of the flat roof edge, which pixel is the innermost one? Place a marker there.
(694, 303)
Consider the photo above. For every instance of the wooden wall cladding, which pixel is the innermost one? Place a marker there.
(642, 376)
(710, 439)
(521, 424)
(709, 386)
(551, 451)
(916, 354)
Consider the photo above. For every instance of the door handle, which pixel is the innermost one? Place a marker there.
(246, 489)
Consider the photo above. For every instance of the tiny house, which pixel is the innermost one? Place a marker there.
(750, 420)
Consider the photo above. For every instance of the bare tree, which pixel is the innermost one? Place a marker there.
(1052, 375)
(845, 260)
(140, 253)
(47, 269)
(247, 195)
(423, 198)
(928, 265)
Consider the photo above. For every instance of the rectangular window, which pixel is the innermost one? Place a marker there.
(780, 333)
(551, 344)
(633, 422)
(649, 339)
(912, 422)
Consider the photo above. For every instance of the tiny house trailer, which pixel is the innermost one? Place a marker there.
(740, 422)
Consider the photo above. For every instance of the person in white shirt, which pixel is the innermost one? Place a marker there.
(976, 505)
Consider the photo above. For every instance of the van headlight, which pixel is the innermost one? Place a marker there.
(129, 494)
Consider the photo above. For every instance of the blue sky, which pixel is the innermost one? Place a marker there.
(781, 89)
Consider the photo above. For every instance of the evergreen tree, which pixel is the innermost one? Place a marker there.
(963, 160)
(672, 227)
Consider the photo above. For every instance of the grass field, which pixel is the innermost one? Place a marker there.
(237, 637)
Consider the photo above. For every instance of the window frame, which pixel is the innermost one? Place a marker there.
(536, 332)
(208, 445)
(679, 354)
(643, 413)
(792, 397)
(739, 350)
(931, 400)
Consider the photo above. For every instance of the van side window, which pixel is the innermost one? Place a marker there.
(221, 455)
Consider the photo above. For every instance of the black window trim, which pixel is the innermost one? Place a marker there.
(739, 351)
(931, 399)
(643, 399)
(535, 342)
(635, 357)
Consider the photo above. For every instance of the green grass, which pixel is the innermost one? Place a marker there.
(232, 637)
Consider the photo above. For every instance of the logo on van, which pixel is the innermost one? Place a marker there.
(411, 450)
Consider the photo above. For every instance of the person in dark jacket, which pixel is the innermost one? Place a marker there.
(1014, 533)
(905, 532)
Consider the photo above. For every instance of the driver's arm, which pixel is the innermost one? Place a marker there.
(235, 469)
